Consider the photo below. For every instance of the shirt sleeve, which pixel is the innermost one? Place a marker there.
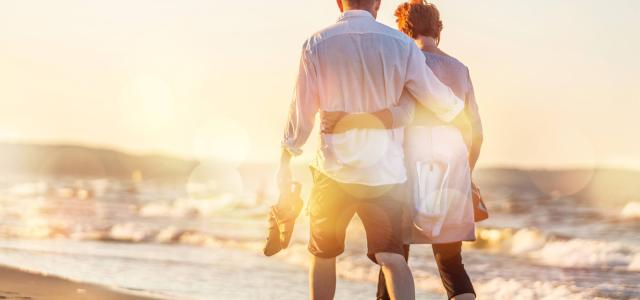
(427, 89)
(404, 112)
(303, 107)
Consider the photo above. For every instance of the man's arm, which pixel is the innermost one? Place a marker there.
(403, 113)
(283, 175)
(398, 116)
(427, 89)
(302, 113)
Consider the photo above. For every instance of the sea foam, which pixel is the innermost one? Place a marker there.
(507, 289)
(556, 251)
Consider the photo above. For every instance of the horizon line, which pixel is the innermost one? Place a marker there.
(166, 154)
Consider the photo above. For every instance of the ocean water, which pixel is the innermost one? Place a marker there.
(203, 240)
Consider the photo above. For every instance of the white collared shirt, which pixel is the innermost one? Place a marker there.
(359, 65)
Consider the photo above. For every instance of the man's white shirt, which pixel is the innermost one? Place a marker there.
(360, 66)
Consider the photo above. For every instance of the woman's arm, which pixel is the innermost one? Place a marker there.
(394, 117)
(473, 115)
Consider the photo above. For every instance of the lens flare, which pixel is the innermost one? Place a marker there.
(558, 142)
(359, 148)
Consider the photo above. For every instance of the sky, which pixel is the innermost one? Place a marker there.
(557, 81)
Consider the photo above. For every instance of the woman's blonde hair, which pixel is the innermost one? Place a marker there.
(418, 17)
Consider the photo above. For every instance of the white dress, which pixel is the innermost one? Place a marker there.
(437, 159)
(440, 184)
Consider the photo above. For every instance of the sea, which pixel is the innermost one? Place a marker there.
(552, 234)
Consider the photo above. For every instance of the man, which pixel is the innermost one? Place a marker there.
(359, 66)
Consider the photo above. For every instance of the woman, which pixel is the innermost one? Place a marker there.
(440, 156)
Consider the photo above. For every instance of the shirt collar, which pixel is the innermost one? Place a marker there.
(355, 13)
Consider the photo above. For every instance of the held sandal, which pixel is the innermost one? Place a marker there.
(282, 219)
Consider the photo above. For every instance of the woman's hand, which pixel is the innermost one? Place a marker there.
(329, 120)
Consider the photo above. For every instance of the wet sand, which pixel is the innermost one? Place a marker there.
(21, 285)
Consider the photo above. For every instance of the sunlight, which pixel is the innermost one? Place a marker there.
(157, 98)
(222, 140)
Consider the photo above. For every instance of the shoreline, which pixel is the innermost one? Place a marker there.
(25, 285)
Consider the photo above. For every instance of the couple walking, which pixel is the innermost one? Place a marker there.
(400, 136)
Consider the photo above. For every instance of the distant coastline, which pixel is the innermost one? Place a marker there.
(34, 161)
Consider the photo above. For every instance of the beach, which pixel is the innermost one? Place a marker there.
(180, 272)
(22, 285)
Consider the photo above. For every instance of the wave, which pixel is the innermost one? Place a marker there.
(530, 243)
(27, 189)
(560, 251)
(356, 267)
(587, 254)
(535, 245)
(506, 289)
(189, 208)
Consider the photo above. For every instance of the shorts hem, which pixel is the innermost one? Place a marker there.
(324, 254)
(372, 255)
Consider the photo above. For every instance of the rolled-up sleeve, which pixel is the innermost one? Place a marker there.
(304, 105)
(427, 89)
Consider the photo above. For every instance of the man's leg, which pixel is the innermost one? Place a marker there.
(322, 278)
(398, 278)
(330, 212)
(382, 218)
(383, 293)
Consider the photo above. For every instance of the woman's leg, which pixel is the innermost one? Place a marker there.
(383, 293)
(454, 276)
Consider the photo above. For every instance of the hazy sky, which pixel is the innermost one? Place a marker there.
(557, 81)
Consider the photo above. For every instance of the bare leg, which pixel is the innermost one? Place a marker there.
(382, 293)
(397, 275)
(467, 296)
(322, 278)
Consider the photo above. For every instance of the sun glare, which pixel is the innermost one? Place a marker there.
(223, 140)
(157, 98)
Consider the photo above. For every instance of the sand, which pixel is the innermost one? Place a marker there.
(21, 285)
